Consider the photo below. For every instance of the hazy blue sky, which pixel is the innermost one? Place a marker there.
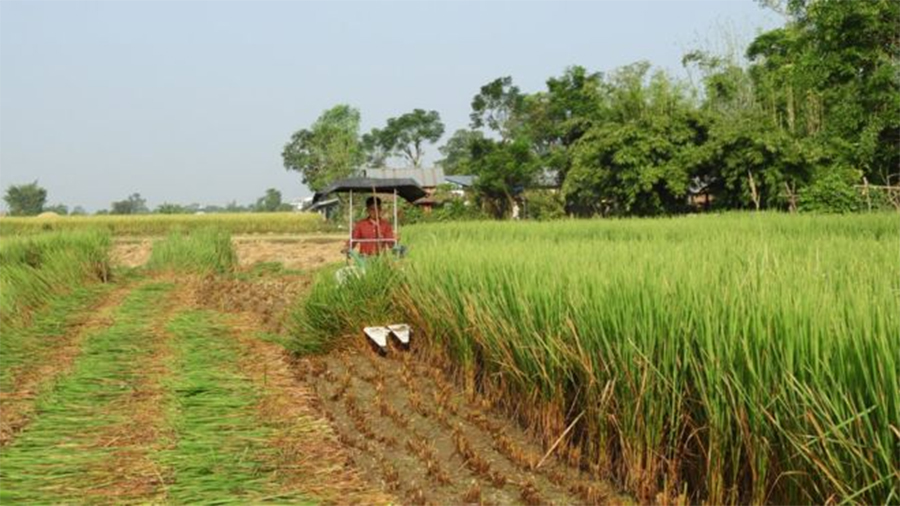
(193, 101)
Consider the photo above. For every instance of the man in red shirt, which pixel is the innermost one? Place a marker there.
(374, 232)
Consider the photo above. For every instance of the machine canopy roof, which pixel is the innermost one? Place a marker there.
(406, 187)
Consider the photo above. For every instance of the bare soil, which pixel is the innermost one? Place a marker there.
(306, 252)
(413, 431)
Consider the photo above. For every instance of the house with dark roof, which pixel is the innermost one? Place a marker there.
(429, 178)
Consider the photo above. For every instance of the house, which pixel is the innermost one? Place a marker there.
(429, 179)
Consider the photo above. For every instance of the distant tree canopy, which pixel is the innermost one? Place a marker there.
(403, 136)
(134, 204)
(25, 199)
(811, 111)
(328, 150)
(458, 151)
(271, 202)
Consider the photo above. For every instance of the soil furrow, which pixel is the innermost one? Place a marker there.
(410, 427)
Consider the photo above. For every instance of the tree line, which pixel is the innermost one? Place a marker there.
(31, 199)
(812, 113)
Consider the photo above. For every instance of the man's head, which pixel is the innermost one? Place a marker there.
(373, 207)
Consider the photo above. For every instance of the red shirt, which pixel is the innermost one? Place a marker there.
(368, 229)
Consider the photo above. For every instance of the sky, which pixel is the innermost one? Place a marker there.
(192, 101)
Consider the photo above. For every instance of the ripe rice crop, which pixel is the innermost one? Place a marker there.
(740, 358)
(162, 224)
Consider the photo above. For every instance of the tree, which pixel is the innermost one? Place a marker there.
(60, 209)
(134, 204)
(458, 151)
(167, 208)
(830, 76)
(26, 199)
(330, 149)
(498, 106)
(504, 170)
(633, 163)
(404, 136)
(271, 202)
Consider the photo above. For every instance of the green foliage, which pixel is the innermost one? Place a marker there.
(167, 208)
(544, 205)
(832, 192)
(498, 106)
(457, 151)
(504, 170)
(25, 199)
(204, 251)
(403, 136)
(632, 164)
(330, 149)
(831, 75)
(60, 209)
(271, 202)
(134, 204)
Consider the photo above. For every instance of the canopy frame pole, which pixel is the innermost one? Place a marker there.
(396, 222)
(350, 220)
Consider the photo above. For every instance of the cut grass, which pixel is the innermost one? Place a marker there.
(220, 453)
(38, 269)
(61, 457)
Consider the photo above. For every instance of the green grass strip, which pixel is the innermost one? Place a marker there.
(58, 458)
(27, 346)
(220, 454)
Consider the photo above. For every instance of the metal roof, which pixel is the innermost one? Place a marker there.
(406, 188)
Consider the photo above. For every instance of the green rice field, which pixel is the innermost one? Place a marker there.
(727, 359)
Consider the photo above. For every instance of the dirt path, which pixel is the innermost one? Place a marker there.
(411, 429)
(304, 252)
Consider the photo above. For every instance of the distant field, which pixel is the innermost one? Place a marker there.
(161, 224)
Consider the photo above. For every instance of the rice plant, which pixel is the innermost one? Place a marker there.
(203, 251)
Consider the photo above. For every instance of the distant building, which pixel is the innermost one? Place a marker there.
(429, 179)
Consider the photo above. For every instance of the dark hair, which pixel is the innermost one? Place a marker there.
(372, 202)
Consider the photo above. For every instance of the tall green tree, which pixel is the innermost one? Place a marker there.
(633, 163)
(25, 199)
(330, 149)
(404, 136)
(831, 75)
(271, 202)
(457, 151)
(504, 170)
(499, 106)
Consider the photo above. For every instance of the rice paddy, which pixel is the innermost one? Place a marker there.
(162, 224)
(741, 358)
(721, 359)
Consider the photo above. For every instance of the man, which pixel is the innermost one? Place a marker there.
(374, 231)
